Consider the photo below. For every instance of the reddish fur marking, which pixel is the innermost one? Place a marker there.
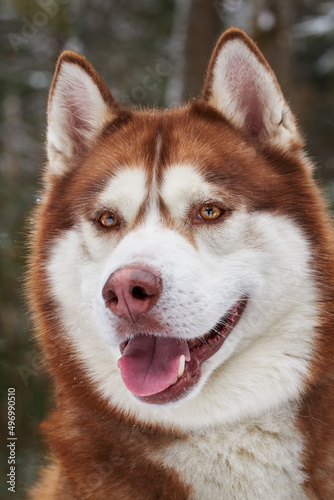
(99, 451)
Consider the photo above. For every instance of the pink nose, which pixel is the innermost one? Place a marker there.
(132, 291)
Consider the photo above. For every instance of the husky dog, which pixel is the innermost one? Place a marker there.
(181, 281)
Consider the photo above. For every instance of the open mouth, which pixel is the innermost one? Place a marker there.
(160, 370)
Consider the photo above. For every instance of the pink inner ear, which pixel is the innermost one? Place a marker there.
(245, 90)
(77, 111)
(77, 104)
(254, 122)
(245, 86)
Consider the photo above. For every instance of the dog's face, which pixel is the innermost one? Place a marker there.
(173, 244)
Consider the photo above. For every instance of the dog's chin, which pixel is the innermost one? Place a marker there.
(199, 350)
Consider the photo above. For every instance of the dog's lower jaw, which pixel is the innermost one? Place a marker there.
(200, 349)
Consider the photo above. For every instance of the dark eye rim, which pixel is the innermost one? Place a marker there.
(207, 205)
(98, 223)
(199, 220)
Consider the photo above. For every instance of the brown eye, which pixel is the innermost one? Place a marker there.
(108, 220)
(210, 212)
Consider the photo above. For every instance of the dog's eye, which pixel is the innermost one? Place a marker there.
(108, 220)
(210, 212)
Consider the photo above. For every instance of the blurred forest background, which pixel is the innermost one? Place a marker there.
(149, 53)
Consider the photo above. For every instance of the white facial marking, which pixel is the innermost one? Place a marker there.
(126, 192)
(266, 257)
(183, 186)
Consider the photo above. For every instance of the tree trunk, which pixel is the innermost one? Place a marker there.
(196, 28)
(275, 42)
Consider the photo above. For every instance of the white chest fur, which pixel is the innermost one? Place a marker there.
(256, 460)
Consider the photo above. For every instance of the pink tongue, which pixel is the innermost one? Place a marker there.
(150, 364)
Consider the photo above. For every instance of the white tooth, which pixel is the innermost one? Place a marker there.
(181, 366)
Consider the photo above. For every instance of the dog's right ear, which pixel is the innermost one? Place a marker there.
(241, 85)
(80, 105)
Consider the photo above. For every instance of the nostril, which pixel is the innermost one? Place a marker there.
(138, 292)
(132, 291)
(111, 297)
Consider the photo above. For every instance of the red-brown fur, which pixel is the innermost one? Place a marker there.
(98, 452)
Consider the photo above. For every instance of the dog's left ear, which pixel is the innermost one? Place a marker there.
(80, 105)
(241, 85)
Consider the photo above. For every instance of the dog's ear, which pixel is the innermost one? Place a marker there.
(80, 105)
(241, 85)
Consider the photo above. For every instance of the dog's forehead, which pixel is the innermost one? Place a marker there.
(126, 190)
(182, 182)
(164, 154)
(132, 188)
(160, 139)
(178, 156)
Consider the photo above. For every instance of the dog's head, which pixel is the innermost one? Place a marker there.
(171, 264)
